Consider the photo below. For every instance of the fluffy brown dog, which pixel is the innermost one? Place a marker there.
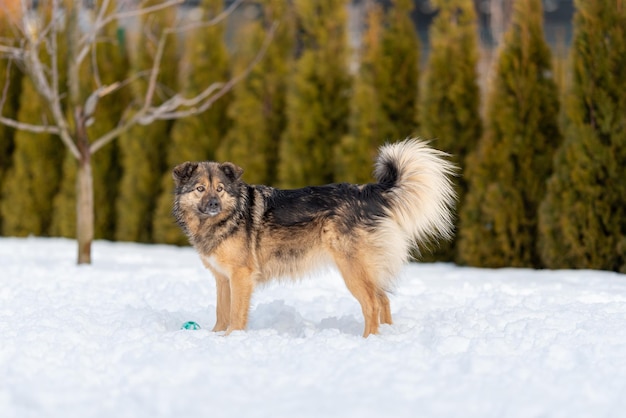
(247, 235)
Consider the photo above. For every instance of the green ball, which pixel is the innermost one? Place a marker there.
(190, 325)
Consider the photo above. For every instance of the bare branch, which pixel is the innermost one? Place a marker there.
(102, 20)
(45, 80)
(54, 91)
(142, 11)
(12, 52)
(124, 123)
(195, 105)
(51, 27)
(161, 47)
(5, 89)
(156, 67)
(178, 106)
(49, 91)
(101, 13)
(95, 68)
(96, 95)
(123, 126)
(214, 21)
(39, 129)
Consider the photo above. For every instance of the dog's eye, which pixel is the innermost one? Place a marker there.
(200, 189)
(220, 188)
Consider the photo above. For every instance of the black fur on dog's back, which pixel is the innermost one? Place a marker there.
(350, 204)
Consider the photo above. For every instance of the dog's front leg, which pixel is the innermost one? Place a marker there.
(222, 310)
(241, 288)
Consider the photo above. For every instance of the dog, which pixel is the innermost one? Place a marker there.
(247, 234)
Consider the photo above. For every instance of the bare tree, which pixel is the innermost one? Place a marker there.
(71, 115)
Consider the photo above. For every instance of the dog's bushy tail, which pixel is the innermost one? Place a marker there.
(419, 192)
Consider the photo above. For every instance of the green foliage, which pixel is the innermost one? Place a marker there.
(397, 78)
(383, 103)
(258, 108)
(142, 163)
(368, 125)
(33, 179)
(317, 98)
(508, 171)
(450, 99)
(113, 64)
(357, 150)
(64, 203)
(197, 137)
(143, 147)
(583, 216)
(11, 80)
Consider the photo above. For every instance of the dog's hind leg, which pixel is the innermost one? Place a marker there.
(222, 310)
(241, 288)
(360, 283)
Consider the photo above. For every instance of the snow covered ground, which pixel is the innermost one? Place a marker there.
(105, 341)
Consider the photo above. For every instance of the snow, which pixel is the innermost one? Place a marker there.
(105, 341)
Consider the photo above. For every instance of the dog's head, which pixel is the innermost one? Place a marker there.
(206, 189)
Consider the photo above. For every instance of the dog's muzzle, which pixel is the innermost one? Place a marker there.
(212, 207)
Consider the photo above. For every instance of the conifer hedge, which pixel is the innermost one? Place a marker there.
(450, 99)
(583, 216)
(508, 171)
(317, 97)
(11, 79)
(383, 105)
(143, 147)
(398, 79)
(196, 137)
(257, 111)
(367, 121)
(34, 177)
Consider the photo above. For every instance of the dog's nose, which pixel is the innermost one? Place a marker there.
(213, 206)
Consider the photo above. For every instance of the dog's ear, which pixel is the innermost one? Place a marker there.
(183, 172)
(232, 171)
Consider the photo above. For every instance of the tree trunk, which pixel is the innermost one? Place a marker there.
(84, 192)
(84, 210)
(84, 176)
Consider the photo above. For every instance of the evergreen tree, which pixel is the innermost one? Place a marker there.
(11, 80)
(507, 174)
(111, 65)
(35, 174)
(583, 216)
(450, 99)
(197, 137)
(317, 98)
(356, 151)
(143, 147)
(113, 62)
(63, 222)
(258, 108)
(369, 126)
(398, 79)
(33, 178)
(384, 101)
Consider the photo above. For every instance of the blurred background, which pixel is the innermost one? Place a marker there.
(526, 96)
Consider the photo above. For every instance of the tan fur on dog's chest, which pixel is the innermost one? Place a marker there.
(227, 257)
